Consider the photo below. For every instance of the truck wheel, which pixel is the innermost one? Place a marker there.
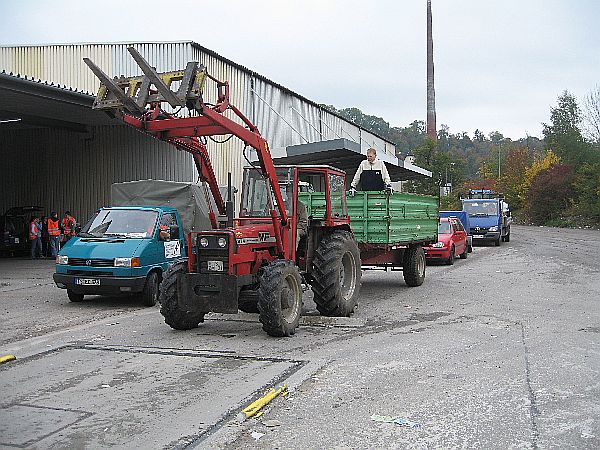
(336, 275)
(280, 298)
(151, 289)
(74, 297)
(414, 266)
(465, 254)
(248, 301)
(175, 316)
(450, 259)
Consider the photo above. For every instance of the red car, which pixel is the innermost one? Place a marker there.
(452, 240)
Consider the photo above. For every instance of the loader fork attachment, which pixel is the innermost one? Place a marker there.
(133, 94)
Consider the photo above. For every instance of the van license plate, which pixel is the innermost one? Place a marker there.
(215, 266)
(87, 281)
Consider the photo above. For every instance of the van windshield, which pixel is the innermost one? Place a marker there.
(126, 223)
(482, 208)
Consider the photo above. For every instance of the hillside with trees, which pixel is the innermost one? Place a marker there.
(553, 181)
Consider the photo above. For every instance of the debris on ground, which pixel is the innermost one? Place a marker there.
(271, 423)
(397, 420)
(256, 435)
(254, 409)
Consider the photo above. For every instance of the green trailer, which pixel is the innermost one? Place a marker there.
(390, 229)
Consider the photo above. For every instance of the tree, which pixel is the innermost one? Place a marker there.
(591, 115)
(512, 181)
(551, 194)
(587, 186)
(563, 134)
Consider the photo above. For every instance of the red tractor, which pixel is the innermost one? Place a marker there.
(258, 261)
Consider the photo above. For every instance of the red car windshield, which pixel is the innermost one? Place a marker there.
(444, 228)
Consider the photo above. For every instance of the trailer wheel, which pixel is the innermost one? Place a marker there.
(414, 266)
(175, 316)
(248, 301)
(336, 274)
(280, 298)
(74, 297)
(151, 289)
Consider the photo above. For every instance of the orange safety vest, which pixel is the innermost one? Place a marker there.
(53, 229)
(33, 231)
(66, 223)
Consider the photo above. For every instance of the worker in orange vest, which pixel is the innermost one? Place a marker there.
(68, 227)
(54, 233)
(35, 234)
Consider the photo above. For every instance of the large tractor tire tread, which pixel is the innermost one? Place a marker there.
(175, 316)
(336, 275)
(280, 298)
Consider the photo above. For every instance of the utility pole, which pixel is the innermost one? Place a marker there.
(431, 125)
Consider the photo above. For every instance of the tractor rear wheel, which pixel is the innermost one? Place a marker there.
(336, 274)
(175, 316)
(414, 266)
(248, 301)
(280, 298)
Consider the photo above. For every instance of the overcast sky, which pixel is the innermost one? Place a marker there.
(499, 65)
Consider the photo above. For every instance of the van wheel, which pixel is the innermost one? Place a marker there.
(74, 297)
(151, 289)
(336, 275)
(175, 316)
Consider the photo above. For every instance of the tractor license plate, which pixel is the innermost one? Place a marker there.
(215, 266)
(87, 281)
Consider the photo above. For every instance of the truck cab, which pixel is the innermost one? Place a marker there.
(489, 216)
(121, 250)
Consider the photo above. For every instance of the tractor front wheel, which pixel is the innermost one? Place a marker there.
(280, 298)
(175, 316)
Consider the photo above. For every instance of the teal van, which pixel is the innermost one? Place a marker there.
(121, 250)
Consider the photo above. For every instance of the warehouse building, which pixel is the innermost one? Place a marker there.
(60, 154)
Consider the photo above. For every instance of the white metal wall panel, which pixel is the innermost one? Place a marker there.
(284, 119)
(64, 170)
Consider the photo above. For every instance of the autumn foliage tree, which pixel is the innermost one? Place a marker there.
(551, 194)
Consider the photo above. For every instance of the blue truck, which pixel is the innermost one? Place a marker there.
(464, 219)
(125, 249)
(489, 216)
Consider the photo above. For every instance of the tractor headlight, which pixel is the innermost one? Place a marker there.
(222, 242)
(204, 242)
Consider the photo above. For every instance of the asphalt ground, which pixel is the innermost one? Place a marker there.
(501, 350)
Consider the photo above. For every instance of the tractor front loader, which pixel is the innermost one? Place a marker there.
(258, 261)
